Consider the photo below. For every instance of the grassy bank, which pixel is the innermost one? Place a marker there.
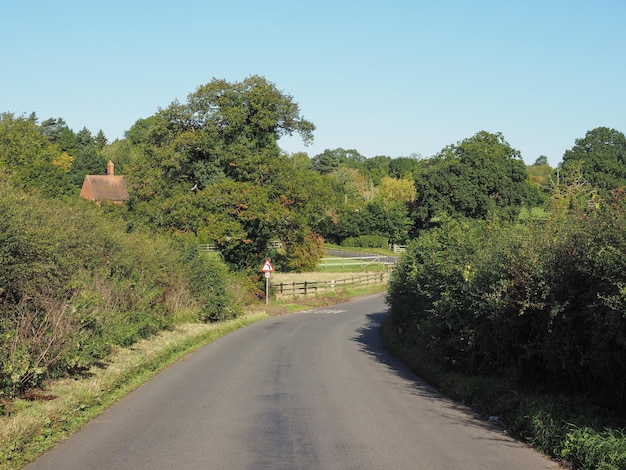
(41, 418)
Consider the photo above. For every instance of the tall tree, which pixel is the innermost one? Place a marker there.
(392, 189)
(470, 178)
(330, 160)
(601, 156)
(58, 132)
(225, 136)
(29, 157)
(541, 176)
(100, 140)
(388, 219)
(377, 168)
(326, 162)
(405, 167)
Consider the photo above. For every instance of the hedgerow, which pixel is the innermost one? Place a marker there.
(75, 282)
(541, 303)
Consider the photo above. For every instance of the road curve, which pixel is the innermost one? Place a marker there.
(310, 390)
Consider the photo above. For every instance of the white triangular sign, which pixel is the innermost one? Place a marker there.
(267, 267)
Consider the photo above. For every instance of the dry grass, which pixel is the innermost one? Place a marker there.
(32, 426)
(318, 276)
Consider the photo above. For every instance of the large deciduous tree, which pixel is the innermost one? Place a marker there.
(330, 160)
(212, 165)
(30, 159)
(471, 178)
(601, 157)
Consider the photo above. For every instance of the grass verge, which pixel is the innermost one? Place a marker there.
(34, 424)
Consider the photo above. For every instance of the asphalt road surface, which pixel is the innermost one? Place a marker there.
(310, 390)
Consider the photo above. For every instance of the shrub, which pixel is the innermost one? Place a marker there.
(74, 283)
(304, 249)
(544, 303)
(208, 281)
(366, 241)
(587, 448)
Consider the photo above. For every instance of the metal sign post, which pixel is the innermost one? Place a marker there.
(267, 288)
(267, 269)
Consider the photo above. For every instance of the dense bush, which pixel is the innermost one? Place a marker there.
(366, 241)
(208, 282)
(303, 250)
(542, 305)
(75, 283)
(544, 302)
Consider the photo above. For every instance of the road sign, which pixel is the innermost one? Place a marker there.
(267, 267)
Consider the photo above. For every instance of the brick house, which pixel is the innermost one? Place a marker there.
(109, 187)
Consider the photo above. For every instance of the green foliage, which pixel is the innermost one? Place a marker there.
(208, 284)
(242, 218)
(377, 168)
(75, 283)
(303, 251)
(29, 158)
(587, 449)
(542, 302)
(601, 157)
(387, 219)
(57, 132)
(88, 162)
(541, 178)
(359, 213)
(392, 189)
(212, 167)
(331, 160)
(366, 241)
(589, 301)
(470, 179)
(306, 194)
(570, 430)
(350, 187)
(326, 162)
(405, 167)
(49, 157)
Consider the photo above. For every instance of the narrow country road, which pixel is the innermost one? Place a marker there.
(310, 390)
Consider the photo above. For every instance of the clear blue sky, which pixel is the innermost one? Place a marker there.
(392, 77)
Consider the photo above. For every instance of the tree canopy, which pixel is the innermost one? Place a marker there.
(32, 160)
(470, 178)
(213, 166)
(601, 157)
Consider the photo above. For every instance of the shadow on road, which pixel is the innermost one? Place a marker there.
(370, 342)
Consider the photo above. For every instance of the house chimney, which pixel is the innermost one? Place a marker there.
(110, 168)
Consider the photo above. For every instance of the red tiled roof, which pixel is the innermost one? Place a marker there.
(100, 188)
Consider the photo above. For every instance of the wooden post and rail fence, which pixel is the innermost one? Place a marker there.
(316, 287)
(339, 258)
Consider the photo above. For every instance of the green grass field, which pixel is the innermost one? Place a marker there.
(337, 264)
